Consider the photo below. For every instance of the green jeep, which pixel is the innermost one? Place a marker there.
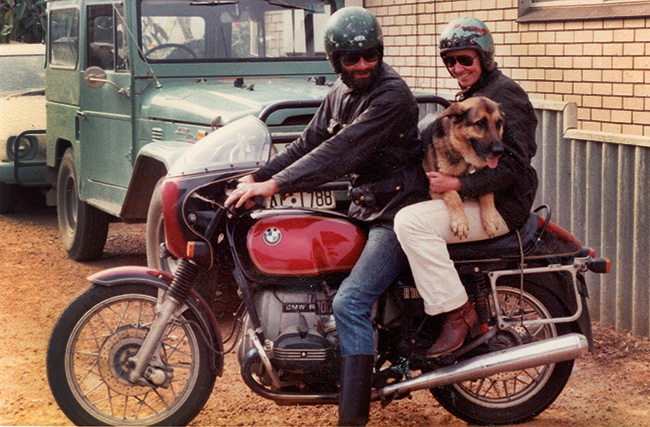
(131, 84)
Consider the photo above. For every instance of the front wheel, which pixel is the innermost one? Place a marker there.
(83, 227)
(88, 353)
(516, 396)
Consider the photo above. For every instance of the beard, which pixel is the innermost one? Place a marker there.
(360, 82)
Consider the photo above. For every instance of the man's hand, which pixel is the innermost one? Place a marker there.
(247, 190)
(247, 179)
(439, 182)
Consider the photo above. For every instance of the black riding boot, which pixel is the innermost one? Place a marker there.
(356, 380)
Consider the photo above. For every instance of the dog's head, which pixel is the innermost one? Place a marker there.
(476, 130)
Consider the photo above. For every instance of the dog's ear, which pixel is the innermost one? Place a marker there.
(456, 112)
(439, 127)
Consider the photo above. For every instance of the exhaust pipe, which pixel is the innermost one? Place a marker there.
(552, 350)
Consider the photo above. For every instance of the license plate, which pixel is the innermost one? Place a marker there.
(315, 199)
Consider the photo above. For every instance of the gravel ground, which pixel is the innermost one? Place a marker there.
(37, 280)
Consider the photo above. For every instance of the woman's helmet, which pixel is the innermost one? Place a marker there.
(352, 29)
(469, 33)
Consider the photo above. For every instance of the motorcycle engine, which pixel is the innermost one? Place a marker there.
(301, 327)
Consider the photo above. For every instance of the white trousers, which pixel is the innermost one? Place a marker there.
(423, 230)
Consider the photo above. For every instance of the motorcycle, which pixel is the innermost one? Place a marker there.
(143, 347)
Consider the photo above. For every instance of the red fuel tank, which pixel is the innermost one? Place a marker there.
(299, 245)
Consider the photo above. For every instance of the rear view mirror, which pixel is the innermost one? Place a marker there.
(94, 77)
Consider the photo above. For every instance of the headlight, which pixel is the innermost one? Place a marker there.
(27, 147)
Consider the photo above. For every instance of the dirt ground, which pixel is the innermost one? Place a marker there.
(37, 280)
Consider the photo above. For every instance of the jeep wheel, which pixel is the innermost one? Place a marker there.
(8, 197)
(157, 257)
(83, 228)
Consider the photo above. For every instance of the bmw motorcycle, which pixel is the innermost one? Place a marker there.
(144, 347)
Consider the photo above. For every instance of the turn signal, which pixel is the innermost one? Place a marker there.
(199, 252)
(599, 265)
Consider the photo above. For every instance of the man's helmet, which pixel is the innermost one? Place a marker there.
(469, 33)
(352, 29)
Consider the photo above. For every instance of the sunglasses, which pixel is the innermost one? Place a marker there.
(464, 60)
(350, 58)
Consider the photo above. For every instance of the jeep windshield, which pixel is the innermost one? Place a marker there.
(233, 31)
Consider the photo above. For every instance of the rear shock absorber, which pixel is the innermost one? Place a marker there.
(478, 296)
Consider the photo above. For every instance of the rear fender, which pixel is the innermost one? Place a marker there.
(140, 275)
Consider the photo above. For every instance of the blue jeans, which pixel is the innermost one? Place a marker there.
(380, 263)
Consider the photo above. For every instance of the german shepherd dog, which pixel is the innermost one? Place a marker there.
(464, 138)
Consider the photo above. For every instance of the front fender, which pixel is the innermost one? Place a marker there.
(141, 275)
(132, 274)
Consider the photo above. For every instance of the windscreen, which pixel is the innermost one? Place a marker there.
(21, 74)
(243, 143)
(243, 30)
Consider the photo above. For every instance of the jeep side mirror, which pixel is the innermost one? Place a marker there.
(94, 77)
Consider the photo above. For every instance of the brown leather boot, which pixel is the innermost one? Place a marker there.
(457, 324)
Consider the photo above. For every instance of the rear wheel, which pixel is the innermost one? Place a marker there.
(83, 228)
(87, 361)
(8, 197)
(516, 396)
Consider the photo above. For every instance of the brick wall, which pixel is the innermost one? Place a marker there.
(602, 65)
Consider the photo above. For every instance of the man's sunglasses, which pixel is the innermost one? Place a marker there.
(464, 60)
(350, 58)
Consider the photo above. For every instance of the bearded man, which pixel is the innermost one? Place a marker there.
(366, 128)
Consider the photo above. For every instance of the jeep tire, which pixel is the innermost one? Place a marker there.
(83, 228)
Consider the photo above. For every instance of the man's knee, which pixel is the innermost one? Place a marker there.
(347, 305)
(339, 304)
(403, 223)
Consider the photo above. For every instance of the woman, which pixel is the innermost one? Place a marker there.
(423, 230)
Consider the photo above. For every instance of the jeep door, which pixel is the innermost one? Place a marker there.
(105, 113)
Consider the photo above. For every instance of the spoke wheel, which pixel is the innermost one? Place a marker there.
(516, 396)
(88, 362)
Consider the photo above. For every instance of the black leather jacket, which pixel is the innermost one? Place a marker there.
(372, 137)
(514, 180)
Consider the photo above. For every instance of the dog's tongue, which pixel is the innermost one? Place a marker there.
(492, 162)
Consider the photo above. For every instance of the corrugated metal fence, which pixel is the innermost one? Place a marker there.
(597, 186)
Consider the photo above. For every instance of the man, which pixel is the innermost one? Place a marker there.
(367, 128)
(467, 49)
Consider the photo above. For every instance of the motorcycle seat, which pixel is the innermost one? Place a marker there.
(506, 246)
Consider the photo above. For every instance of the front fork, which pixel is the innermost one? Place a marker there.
(146, 366)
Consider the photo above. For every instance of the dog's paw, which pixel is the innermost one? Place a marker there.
(460, 227)
(491, 225)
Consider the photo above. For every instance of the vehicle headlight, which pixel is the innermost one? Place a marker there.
(27, 147)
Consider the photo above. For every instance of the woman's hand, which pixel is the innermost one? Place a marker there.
(247, 190)
(439, 182)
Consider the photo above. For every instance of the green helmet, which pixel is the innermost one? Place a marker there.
(352, 29)
(469, 33)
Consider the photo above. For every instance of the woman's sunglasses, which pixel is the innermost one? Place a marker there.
(350, 58)
(464, 60)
